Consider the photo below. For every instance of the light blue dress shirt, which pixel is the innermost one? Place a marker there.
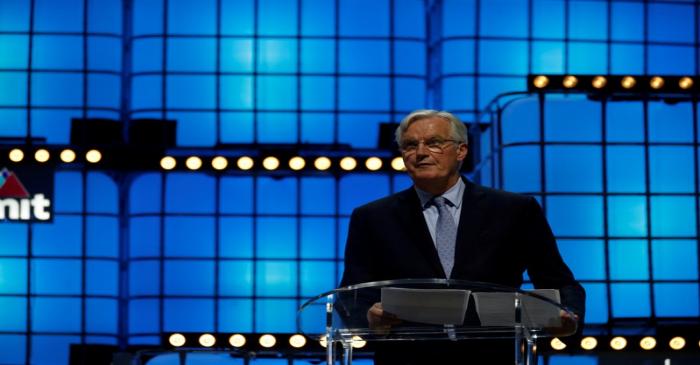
(430, 212)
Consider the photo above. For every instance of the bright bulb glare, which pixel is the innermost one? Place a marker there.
(570, 81)
(618, 343)
(67, 156)
(557, 344)
(176, 339)
(647, 343)
(656, 82)
(373, 163)
(677, 343)
(168, 163)
(296, 163)
(93, 156)
(271, 163)
(323, 341)
(322, 163)
(589, 343)
(267, 341)
(628, 82)
(41, 155)
(245, 163)
(297, 341)
(397, 164)
(599, 82)
(207, 340)
(685, 83)
(193, 163)
(348, 163)
(219, 163)
(237, 340)
(16, 155)
(358, 342)
(540, 82)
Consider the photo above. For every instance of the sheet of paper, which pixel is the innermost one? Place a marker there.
(498, 309)
(431, 306)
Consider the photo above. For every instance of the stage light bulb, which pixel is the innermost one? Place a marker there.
(42, 155)
(93, 156)
(358, 342)
(599, 82)
(237, 340)
(219, 163)
(373, 163)
(271, 163)
(348, 163)
(168, 163)
(267, 341)
(677, 343)
(323, 341)
(176, 340)
(207, 340)
(618, 343)
(541, 81)
(16, 155)
(685, 83)
(557, 344)
(193, 163)
(647, 343)
(297, 341)
(245, 163)
(67, 156)
(296, 163)
(322, 163)
(570, 81)
(397, 164)
(589, 343)
(628, 82)
(656, 82)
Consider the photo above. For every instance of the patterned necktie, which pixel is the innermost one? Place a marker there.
(445, 235)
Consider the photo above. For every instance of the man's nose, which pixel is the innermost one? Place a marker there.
(421, 149)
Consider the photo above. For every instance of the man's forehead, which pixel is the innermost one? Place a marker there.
(426, 128)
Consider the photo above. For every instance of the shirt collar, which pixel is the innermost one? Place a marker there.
(453, 194)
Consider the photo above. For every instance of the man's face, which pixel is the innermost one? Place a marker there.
(432, 167)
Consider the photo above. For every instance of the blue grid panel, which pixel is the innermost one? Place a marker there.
(318, 238)
(144, 277)
(627, 21)
(190, 92)
(364, 93)
(561, 125)
(235, 315)
(236, 55)
(148, 56)
(15, 45)
(627, 216)
(191, 54)
(364, 17)
(588, 20)
(575, 215)
(492, 87)
(188, 315)
(520, 122)
(237, 17)
(547, 57)
(57, 52)
(671, 60)
(189, 277)
(55, 314)
(405, 16)
(144, 236)
(625, 169)
(593, 267)
(12, 347)
(62, 237)
(360, 130)
(276, 237)
(317, 55)
(189, 236)
(236, 127)
(144, 316)
(410, 94)
(53, 16)
(317, 127)
(276, 92)
(15, 239)
(13, 88)
(670, 122)
(277, 55)
(275, 315)
(457, 93)
(627, 59)
(13, 316)
(101, 315)
(358, 189)
(573, 168)
(317, 195)
(69, 192)
(317, 93)
(277, 18)
(587, 58)
(316, 277)
(277, 127)
(676, 300)
(317, 18)
(630, 300)
(671, 23)
(236, 237)
(101, 277)
(503, 57)
(56, 276)
(236, 278)
(236, 195)
(521, 169)
(276, 278)
(413, 64)
(104, 91)
(342, 235)
(102, 236)
(270, 189)
(573, 360)
(674, 259)
(191, 18)
(15, 122)
(15, 16)
(457, 56)
(628, 260)
(668, 169)
(147, 92)
(189, 193)
(457, 13)
(44, 92)
(625, 122)
(54, 125)
(195, 129)
(596, 303)
(503, 18)
(105, 16)
(46, 349)
(548, 19)
(364, 56)
(673, 216)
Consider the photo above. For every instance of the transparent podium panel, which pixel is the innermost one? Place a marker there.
(434, 309)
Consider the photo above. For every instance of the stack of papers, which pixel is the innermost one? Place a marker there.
(431, 306)
(498, 309)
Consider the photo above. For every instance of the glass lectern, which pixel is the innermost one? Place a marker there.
(435, 309)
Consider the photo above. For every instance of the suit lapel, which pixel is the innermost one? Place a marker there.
(413, 222)
(470, 222)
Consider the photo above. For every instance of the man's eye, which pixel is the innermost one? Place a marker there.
(434, 143)
(410, 145)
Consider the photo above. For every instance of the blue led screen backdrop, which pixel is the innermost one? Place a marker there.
(129, 255)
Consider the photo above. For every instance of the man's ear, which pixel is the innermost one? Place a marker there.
(462, 151)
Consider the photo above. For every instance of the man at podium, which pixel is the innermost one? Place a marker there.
(445, 226)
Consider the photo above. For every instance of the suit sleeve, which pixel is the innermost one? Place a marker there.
(545, 265)
(359, 259)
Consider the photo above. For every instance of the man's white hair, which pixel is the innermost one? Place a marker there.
(458, 131)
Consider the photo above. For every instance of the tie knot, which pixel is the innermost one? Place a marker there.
(440, 201)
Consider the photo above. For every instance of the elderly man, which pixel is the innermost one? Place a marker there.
(445, 226)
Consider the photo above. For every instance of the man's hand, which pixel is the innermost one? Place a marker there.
(380, 320)
(569, 321)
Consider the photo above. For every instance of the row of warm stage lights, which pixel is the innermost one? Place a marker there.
(272, 163)
(266, 341)
(67, 155)
(619, 343)
(599, 82)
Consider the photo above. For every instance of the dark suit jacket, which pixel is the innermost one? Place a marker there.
(500, 235)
